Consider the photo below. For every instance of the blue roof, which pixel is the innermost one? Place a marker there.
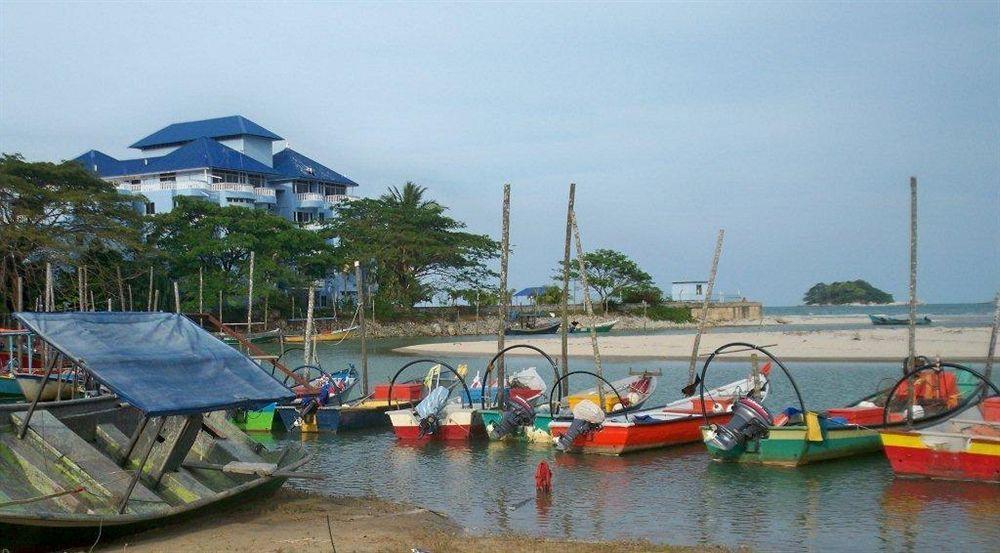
(178, 133)
(294, 165)
(530, 292)
(202, 152)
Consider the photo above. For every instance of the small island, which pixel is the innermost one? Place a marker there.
(848, 292)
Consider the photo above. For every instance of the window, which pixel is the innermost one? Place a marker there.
(697, 289)
(304, 217)
(168, 177)
(150, 208)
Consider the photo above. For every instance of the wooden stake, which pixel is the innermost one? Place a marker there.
(131, 304)
(49, 302)
(988, 369)
(121, 289)
(703, 320)
(912, 337)
(156, 300)
(93, 304)
(250, 296)
(359, 283)
(149, 302)
(177, 299)
(220, 307)
(591, 320)
(307, 341)
(79, 288)
(201, 289)
(565, 290)
(87, 293)
(504, 307)
(109, 303)
(20, 294)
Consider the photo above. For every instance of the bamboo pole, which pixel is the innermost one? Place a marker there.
(109, 303)
(307, 341)
(121, 288)
(93, 303)
(50, 300)
(703, 320)
(359, 284)
(87, 293)
(988, 369)
(250, 296)
(591, 320)
(79, 288)
(177, 298)
(220, 307)
(504, 259)
(565, 291)
(911, 360)
(149, 301)
(201, 289)
(131, 303)
(156, 299)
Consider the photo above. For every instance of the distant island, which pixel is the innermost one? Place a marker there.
(841, 293)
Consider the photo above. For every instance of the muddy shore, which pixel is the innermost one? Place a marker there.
(293, 521)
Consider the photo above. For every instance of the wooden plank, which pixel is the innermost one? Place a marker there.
(968, 421)
(98, 473)
(29, 461)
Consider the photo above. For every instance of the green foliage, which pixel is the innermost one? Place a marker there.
(668, 313)
(411, 248)
(839, 293)
(610, 274)
(59, 214)
(648, 293)
(551, 295)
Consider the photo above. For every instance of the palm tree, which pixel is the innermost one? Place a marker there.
(410, 197)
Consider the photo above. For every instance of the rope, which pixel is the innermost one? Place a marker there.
(42, 497)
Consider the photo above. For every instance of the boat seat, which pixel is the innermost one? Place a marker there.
(99, 474)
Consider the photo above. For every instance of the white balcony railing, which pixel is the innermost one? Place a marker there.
(309, 197)
(233, 187)
(264, 191)
(337, 198)
(154, 186)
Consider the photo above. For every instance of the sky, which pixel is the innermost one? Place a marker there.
(793, 126)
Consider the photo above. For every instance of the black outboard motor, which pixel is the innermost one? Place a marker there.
(750, 421)
(519, 414)
(587, 417)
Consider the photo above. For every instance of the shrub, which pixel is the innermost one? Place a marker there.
(667, 313)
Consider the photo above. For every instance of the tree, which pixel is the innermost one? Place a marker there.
(199, 234)
(839, 293)
(648, 293)
(609, 273)
(410, 246)
(59, 214)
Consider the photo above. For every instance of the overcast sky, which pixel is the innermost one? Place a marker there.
(794, 127)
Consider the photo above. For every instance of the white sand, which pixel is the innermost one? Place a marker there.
(871, 344)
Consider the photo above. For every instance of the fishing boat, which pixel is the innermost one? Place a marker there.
(438, 416)
(148, 455)
(261, 337)
(527, 324)
(516, 418)
(317, 412)
(675, 423)
(798, 436)
(331, 336)
(963, 446)
(8, 387)
(59, 386)
(600, 327)
(884, 320)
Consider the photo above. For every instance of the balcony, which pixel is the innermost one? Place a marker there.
(310, 199)
(333, 199)
(265, 195)
(156, 186)
(233, 187)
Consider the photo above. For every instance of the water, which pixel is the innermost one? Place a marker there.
(671, 495)
(943, 314)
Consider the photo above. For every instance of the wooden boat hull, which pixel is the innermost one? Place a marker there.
(550, 329)
(616, 438)
(326, 419)
(30, 385)
(334, 336)
(600, 328)
(458, 424)
(9, 387)
(971, 458)
(789, 446)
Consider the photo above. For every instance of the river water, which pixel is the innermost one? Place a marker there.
(675, 495)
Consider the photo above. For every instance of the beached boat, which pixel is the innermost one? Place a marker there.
(964, 446)
(150, 454)
(798, 437)
(884, 320)
(253, 337)
(438, 416)
(675, 423)
(331, 336)
(527, 324)
(601, 327)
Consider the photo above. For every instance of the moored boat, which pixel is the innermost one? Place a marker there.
(331, 336)
(885, 320)
(600, 327)
(519, 418)
(146, 456)
(438, 416)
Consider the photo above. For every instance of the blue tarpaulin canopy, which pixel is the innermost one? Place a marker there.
(161, 363)
(530, 292)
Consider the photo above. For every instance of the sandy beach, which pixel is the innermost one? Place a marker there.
(296, 521)
(869, 344)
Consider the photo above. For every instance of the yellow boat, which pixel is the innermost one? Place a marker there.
(332, 336)
(634, 390)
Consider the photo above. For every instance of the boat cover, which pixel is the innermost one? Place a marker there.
(161, 363)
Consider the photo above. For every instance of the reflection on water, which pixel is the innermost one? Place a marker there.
(673, 495)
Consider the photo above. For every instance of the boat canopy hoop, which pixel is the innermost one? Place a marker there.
(392, 382)
(723, 349)
(937, 367)
(502, 353)
(552, 405)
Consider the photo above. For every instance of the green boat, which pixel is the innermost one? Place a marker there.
(601, 327)
(537, 430)
(837, 433)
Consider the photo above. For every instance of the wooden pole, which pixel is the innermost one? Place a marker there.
(156, 300)
(131, 299)
(88, 296)
(504, 259)
(201, 289)
(220, 307)
(912, 336)
(359, 284)
(177, 299)
(49, 296)
(121, 288)
(703, 320)
(250, 296)
(565, 290)
(93, 303)
(988, 369)
(79, 288)
(20, 294)
(149, 302)
(591, 320)
(307, 341)
(109, 303)
(755, 374)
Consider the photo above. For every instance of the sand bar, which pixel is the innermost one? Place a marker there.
(874, 344)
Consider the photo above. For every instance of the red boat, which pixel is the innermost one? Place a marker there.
(965, 446)
(672, 424)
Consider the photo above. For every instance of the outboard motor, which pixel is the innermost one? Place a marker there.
(750, 421)
(587, 417)
(428, 410)
(519, 414)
